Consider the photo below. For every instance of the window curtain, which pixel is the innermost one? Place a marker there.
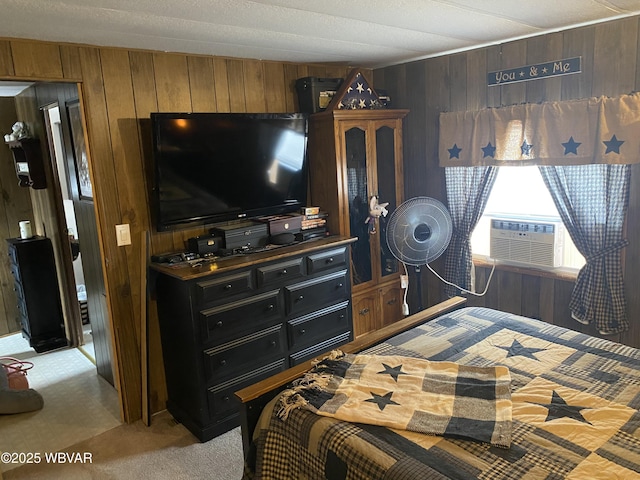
(572, 132)
(592, 201)
(467, 193)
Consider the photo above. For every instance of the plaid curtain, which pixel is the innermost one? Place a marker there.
(468, 189)
(592, 201)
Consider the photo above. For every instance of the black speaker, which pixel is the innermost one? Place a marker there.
(206, 244)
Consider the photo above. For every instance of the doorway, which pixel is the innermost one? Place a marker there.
(69, 381)
(86, 305)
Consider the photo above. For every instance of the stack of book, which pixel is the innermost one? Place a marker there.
(314, 223)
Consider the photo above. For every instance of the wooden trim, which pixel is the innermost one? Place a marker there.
(567, 275)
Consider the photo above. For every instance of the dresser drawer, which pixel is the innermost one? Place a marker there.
(320, 348)
(279, 272)
(221, 288)
(318, 326)
(233, 319)
(244, 354)
(312, 294)
(325, 260)
(222, 400)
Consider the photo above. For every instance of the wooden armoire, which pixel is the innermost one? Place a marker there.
(355, 154)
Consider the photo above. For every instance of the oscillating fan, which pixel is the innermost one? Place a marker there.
(418, 232)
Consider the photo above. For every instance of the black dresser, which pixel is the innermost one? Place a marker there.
(36, 285)
(230, 323)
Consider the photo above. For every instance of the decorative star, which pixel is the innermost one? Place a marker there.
(360, 88)
(558, 408)
(369, 91)
(488, 151)
(571, 146)
(545, 70)
(381, 400)
(521, 73)
(526, 148)
(362, 103)
(393, 371)
(613, 145)
(454, 152)
(518, 350)
(350, 88)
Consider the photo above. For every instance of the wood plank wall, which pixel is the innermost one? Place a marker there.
(610, 66)
(15, 205)
(119, 89)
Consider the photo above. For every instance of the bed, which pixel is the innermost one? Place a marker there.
(575, 404)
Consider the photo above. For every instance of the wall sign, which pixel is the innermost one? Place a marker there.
(555, 68)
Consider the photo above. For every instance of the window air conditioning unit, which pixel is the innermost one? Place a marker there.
(527, 242)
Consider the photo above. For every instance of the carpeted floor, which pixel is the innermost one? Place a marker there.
(165, 450)
(81, 417)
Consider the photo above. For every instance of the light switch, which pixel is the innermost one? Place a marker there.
(123, 235)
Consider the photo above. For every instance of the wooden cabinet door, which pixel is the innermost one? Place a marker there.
(391, 300)
(365, 313)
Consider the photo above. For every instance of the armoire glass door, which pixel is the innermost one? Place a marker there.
(385, 154)
(357, 188)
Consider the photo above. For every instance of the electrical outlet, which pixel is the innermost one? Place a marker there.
(123, 235)
(404, 281)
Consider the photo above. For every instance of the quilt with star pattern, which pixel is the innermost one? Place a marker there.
(575, 403)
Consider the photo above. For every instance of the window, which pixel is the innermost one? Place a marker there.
(520, 191)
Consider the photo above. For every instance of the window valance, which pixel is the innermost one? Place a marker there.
(574, 132)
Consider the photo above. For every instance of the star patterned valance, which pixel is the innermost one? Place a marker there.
(574, 132)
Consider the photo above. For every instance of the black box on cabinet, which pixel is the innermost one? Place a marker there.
(204, 245)
(315, 94)
(247, 234)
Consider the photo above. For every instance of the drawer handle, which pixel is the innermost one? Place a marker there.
(283, 272)
(364, 311)
(225, 399)
(300, 298)
(341, 317)
(270, 307)
(228, 286)
(340, 285)
(274, 343)
(303, 331)
(330, 260)
(223, 363)
(392, 301)
(219, 323)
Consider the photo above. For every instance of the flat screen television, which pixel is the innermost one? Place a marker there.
(215, 167)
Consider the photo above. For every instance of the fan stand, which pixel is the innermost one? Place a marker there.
(422, 233)
(418, 232)
(419, 284)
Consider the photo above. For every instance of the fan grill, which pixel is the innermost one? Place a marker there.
(419, 231)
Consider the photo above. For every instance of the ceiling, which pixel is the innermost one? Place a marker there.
(369, 34)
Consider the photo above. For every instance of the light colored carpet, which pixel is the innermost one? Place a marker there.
(165, 450)
(78, 404)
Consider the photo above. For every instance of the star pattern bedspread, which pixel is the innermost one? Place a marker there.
(575, 407)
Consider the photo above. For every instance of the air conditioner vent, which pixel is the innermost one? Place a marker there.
(527, 242)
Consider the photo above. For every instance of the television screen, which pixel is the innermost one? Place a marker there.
(214, 167)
